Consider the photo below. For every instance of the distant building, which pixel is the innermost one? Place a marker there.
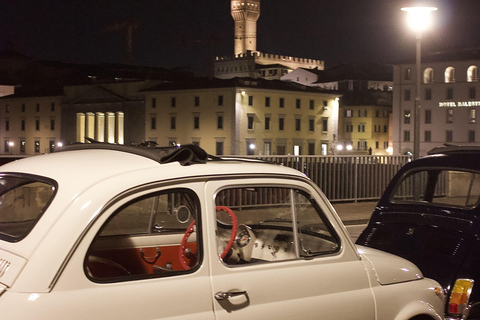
(242, 116)
(365, 105)
(246, 60)
(449, 101)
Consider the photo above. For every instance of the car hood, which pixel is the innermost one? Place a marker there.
(10, 267)
(389, 268)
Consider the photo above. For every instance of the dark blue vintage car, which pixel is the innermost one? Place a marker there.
(430, 215)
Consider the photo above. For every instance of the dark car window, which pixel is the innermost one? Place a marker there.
(444, 187)
(23, 199)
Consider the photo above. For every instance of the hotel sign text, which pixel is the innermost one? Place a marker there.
(451, 104)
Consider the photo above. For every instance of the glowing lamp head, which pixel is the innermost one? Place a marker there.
(339, 147)
(419, 18)
(349, 147)
(252, 146)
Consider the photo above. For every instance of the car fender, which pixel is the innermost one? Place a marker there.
(388, 268)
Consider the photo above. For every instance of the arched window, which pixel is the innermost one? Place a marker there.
(428, 75)
(450, 75)
(472, 74)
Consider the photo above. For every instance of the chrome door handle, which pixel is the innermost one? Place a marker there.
(221, 295)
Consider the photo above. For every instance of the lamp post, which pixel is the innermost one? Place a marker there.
(419, 20)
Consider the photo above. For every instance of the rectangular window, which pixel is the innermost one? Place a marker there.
(311, 125)
(385, 145)
(428, 136)
(471, 136)
(406, 116)
(267, 123)
(406, 95)
(197, 101)
(428, 116)
(406, 136)
(219, 122)
(312, 104)
(449, 136)
(311, 148)
(153, 123)
(250, 101)
(154, 103)
(472, 94)
(267, 102)
(297, 103)
(449, 115)
(377, 113)
(472, 116)
(281, 102)
(361, 127)
(23, 107)
(37, 146)
(196, 122)
(377, 144)
(37, 125)
(428, 94)
(365, 113)
(173, 102)
(250, 122)
(37, 107)
(22, 146)
(7, 125)
(449, 93)
(220, 100)
(219, 148)
(385, 129)
(324, 124)
(297, 124)
(52, 124)
(173, 122)
(281, 124)
(408, 74)
(348, 113)
(51, 147)
(23, 125)
(52, 106)
(6, 146)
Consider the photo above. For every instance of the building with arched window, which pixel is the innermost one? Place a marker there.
(449, 99)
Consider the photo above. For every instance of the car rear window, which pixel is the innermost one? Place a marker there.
(444, 187)
(23, 200)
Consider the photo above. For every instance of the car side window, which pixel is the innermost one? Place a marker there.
(453, 188)
(153, 236)
(267, 224)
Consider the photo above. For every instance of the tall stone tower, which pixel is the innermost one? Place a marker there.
(245, 13)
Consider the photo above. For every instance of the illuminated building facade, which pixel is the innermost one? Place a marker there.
(450, 98)
(242, 116)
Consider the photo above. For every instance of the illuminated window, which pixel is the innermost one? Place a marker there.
(408, 74)
(450, 75)
(406, 116)
(472, 74)
(428, 75)
(449, 115)
(472, 116)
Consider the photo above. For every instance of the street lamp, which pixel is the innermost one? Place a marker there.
(419, 21)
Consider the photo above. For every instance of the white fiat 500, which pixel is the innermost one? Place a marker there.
(101, 231)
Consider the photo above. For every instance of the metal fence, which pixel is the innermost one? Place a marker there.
(345, 178)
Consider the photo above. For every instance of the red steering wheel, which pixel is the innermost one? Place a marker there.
(191, 229)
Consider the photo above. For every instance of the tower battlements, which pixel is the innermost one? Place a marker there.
(268, 58)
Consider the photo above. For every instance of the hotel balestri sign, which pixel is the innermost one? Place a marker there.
(452, 104)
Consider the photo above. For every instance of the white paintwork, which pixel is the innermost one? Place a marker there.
(345, 285)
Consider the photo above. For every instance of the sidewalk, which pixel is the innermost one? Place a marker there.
(355, 213)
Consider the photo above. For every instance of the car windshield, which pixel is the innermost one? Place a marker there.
(23, 199)
(435, 186)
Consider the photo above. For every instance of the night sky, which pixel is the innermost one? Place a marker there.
(190, 33)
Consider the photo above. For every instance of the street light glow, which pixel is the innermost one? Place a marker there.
(419, 18)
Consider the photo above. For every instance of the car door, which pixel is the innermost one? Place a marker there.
(272, 269)
(130, 264)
